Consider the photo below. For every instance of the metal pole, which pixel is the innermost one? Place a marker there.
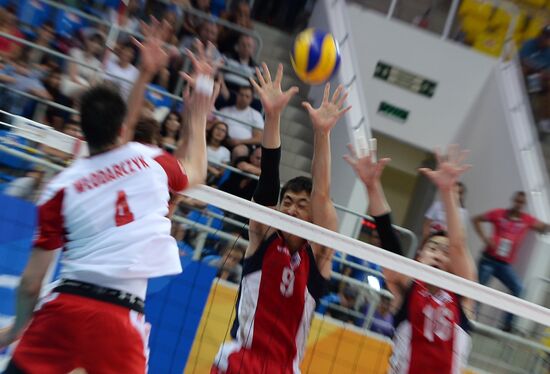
(450, 19)
(391, 11)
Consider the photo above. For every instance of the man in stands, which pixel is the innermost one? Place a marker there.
(121, 67)
(240, 133)
(108, 213)
(535, 61)
(509, 229)
(241, 59)
(283, 275)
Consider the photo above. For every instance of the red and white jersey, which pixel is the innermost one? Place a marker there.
(277, 298)
(431, 333)
(109, 212)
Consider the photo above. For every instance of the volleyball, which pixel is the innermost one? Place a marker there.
(315, 56)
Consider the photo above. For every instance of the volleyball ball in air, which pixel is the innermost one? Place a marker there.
(315, 56)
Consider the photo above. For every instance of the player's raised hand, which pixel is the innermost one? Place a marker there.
(449, 167)
(366, 166)
(273, 98)
(201, 91)
(153, 57)
(331, 110)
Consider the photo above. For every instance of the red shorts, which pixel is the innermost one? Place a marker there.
(246, 361)
(71, 331)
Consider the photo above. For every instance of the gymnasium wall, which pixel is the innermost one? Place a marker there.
(459, 72)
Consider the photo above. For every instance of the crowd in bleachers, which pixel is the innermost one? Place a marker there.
(232, 136)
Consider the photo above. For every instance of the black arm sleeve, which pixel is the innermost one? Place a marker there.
(388, 237)
(267, 191)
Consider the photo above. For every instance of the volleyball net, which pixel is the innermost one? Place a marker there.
(192, 314)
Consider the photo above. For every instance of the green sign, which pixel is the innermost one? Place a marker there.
(393, 112)
(405, 79)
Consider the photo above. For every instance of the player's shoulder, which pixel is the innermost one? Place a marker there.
(144, 149)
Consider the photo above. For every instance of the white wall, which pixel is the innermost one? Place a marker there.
(461, 74)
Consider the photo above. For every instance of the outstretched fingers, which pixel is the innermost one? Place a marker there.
(279, 76)
(326, 94)
(260, 77)
(337, 94)
(267, 74)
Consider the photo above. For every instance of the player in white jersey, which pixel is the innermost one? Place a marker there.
(109, 214)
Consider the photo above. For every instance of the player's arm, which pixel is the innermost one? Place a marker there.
(152, 59)
(274, 101)
(28, 293)
(199, 97)
(445, 177)
(50, 237)
(323, 212)
(369, 170)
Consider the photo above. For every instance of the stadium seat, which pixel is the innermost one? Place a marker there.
(33, 13)
(157, 99)
(490, 42)
(476, 8)
(10, 161)
(535, 3)
(533, 28)
(500, 19)
(472, 27)
(67, 24)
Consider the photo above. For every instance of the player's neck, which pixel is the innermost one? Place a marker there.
(97, 151)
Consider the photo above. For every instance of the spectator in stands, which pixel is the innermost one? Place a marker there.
(170, 129)
(147, 132)
(207, 32)
(240, 133)
(191, 23)
(79, 77)
(9, 49)
(535, 61)
(240, 185)
(45, 37)
(121, 67)
(56, 117)
(228, 265)
(241, 60)
(217, 152)
(239, 15)
(382, 320)
(435, 220)
(71, 128)
(346, 298)
(501, 248)
(127, 21)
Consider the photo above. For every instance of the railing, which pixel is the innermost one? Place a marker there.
(100, 72)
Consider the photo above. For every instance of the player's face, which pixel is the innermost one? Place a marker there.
(435, 253)
(296, 204)
(518, 203)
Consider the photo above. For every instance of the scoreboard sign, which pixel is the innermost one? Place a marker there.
(405, 79)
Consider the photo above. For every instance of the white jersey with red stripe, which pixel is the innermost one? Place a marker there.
(431, 333)
(109, 213)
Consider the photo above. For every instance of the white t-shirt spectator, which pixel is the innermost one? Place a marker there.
(220, 155)
(436, 214)
(85, 71)
(128, 73)
(238, 130)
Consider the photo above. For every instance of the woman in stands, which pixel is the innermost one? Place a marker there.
(431, 327)
(217, 152)
(170, 129)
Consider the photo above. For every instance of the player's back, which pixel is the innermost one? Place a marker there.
(430, 333)
(109, 212)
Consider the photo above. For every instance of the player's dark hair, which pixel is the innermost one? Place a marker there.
(297, 185)
(102, 112)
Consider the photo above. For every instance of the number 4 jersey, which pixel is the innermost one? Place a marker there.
(109, 213)
(431, 333)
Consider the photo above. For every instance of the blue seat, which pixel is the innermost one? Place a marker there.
(67, 24)
(33, 12)
(199, 217)
(158, 99)
(11, 161)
